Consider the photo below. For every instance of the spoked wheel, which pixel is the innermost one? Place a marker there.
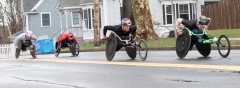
(17, 52)
(33, 51)
(58, 49)
(142, 49)
(111, 47)
(183, 44)
(223, 45)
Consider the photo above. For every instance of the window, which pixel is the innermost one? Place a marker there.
(169, 14)
(75, 18)
(45, 18)
(88, 18)
(184, 11)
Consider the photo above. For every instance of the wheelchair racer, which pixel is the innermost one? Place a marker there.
(195, 26)
(25, 39)
(65, 38)
(122, 31)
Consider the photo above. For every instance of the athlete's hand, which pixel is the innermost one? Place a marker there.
(104, 37)
(179, 32)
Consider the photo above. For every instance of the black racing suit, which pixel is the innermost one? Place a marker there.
(192, 24)
(122, 34)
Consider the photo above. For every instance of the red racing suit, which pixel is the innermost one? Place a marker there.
(66, 35)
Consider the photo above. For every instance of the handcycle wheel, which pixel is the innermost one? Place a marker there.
(142, 49)
(183, 44)
(58, 49)
(111, 46)
(223, 45)
(33, 51)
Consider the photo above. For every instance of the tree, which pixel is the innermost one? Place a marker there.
(96, 23)
(11, 9)
(143, 20)
(127, 10)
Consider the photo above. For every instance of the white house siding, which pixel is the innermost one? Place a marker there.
(89, 33)
(156, 11)
(114, 15)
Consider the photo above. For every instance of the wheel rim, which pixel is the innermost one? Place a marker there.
(223, 45)
(142, 49)
(77, 49)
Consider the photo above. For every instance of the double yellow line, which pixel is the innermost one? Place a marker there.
(220, 67)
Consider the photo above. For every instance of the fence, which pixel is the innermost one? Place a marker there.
(224, 14)
(9, 50)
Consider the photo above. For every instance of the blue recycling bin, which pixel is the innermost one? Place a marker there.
(45, 46)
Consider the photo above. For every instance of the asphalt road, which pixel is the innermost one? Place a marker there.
(161, 69)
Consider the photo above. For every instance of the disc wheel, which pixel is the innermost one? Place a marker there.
(183, 44)
(33, 51)
(57, 52)
(223, 45)
(17, 53)
(203, 49)
(142, 50)
(111, 47)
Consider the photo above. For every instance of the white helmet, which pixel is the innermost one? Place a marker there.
(29, 34)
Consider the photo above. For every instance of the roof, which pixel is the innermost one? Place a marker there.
(29, 4)
(72, 3)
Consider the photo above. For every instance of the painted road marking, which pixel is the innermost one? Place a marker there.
(222, 67)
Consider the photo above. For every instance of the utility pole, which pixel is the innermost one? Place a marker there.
(96, 22)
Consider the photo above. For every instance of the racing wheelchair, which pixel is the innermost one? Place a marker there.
(203, 44)
(23, 46)
(131, 47)
(73, 47)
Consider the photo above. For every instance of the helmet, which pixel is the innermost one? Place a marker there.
(203, 20)
(70, 35)
(29, 34)
(126, 21)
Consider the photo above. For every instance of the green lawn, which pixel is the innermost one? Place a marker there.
(230, 33)
(170, 42)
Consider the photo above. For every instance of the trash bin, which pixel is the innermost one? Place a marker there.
(45, 46)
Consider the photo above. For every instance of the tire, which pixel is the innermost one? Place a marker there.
(77, 49)
(142, 49)
(203, 49)
(111, 46)
(33, 51)
(131, 51)
(223, 43)
(17, 52)
(183, 44)
(57, 52)
(72, 49)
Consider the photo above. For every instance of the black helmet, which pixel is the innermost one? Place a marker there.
(203, 20)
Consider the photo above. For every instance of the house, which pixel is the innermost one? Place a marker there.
(41, 17)
(51, 17)
(161, 11)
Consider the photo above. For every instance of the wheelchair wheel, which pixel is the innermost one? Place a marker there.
(183, 44)
(142, 49)
(72, 49)
(223, 45)
(17, 52)
(111, 46)
(58, 49)
(33, 51)
(203, 49)
(131, 51)
(77, 49)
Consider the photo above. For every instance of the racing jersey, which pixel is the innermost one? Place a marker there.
(22, 37)
(119, 31)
